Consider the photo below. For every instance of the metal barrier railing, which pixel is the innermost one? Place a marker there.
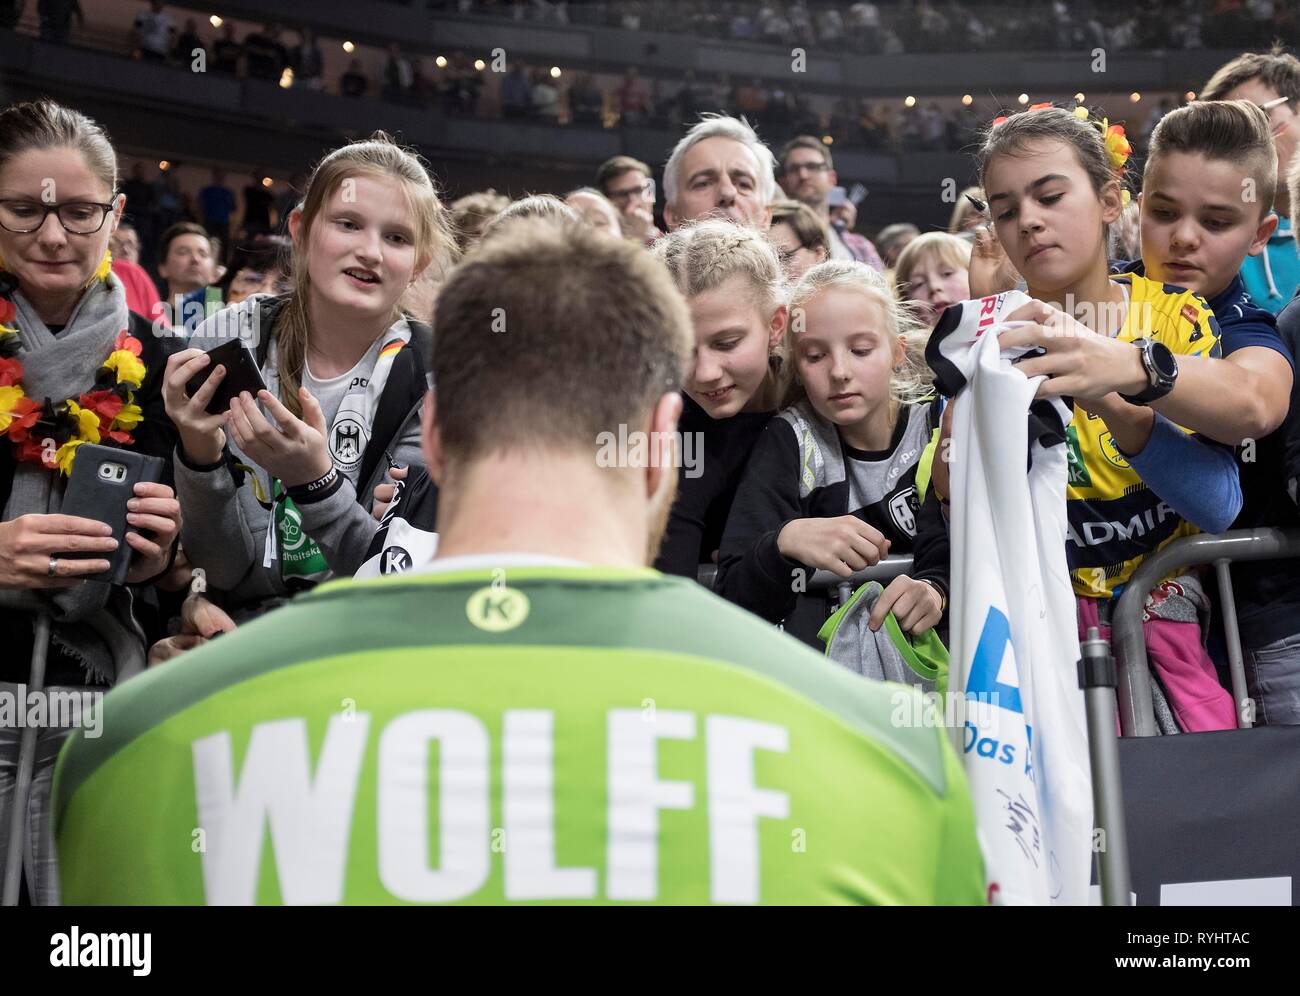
(1137, 716)
(884, 572)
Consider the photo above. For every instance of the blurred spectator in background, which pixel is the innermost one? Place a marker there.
(595, 209)
(185, 263)
(399, 77)
(1164, 107)
(463, 86)
(966, 217)
(288, 200)
(216, 205)
(545, 96)
(56, 19)
(308, 63)
(516, 92)
(424, 89)
(934, 128)
(256, 210)
(168, 201)
(188, 44)
(124, 243)
(1127, 233)
(141, 292)
(690, 99)
(863, 26)
(893, 239)
(227, 52)
(355, 82)
(151, 33)
(545, 206)
(628, 185)
(933, 271)
(807, 175)
(751, 99)
(267, 57)
(471, 214)
(586, 102)
(255, 269)
(844, 218)
(830, 26)
(632, 98)
(800, 237)
(717, 97)
(140, 210)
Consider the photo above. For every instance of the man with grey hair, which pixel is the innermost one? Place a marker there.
(720, 169)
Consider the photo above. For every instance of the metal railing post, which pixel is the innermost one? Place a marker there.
(1232, 635)
(1136, 717)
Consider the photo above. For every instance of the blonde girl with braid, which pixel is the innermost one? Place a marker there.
(731, 278)
(839, 479)
(276, 488)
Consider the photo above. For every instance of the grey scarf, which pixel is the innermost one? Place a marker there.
(93, 621)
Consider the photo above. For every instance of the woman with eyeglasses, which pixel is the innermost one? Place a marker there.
(76, 366)
(799, 237)
(255, 269)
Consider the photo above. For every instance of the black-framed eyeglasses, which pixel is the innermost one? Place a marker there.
(793, 169)
(77, 217)
(621, 197)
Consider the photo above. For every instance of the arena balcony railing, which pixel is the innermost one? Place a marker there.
(428, 32)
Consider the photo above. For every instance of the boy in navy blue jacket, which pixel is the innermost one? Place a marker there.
(1208, 183)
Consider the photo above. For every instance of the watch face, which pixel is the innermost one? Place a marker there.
(1163, 360)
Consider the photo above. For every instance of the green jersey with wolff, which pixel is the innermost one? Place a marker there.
(521, 734)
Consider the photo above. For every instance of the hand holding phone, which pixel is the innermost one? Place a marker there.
(241, 374)
(202, 437)
(100, 486)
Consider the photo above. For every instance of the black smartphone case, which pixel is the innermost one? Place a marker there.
(92, 495)
(241, 375)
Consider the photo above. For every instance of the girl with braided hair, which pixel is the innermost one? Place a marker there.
(838, 480)
(731, 278)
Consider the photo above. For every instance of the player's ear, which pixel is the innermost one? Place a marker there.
(663, 426)
(431, 438)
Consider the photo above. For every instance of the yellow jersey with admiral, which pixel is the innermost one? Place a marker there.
(1114, 519)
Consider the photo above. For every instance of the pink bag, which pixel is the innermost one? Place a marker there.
(1191, 685)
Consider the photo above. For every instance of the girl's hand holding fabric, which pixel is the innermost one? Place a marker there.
(295, 452)
(156, 509)
(30, 543)
(1077, 362)
(916, 605)
(202, 440)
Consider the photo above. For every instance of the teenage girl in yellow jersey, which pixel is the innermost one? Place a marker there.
(1137, 481)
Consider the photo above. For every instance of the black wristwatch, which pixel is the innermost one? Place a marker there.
(1162, 370)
